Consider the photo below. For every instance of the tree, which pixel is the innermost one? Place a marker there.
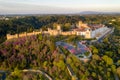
(95, 57)
(66, 27)
(60, 64)
(118, 71)
(95, 51)
(108, 60)
(55, 26)
(113, 67)
(109, 53)
(40, 37)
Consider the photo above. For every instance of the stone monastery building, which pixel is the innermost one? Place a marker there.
(87, 31)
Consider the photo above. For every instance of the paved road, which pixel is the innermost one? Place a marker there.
(67, 46)
(3, 75)
(38, 71)
(81, 48)
(116, 76)
(70, 70)
(26, 70)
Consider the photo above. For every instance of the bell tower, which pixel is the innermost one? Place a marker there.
(88, 33)
(59, 29)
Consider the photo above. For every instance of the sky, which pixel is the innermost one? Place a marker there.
(57, 6)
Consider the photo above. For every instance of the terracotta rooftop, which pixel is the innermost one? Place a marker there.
(80, 29)
(95, 26)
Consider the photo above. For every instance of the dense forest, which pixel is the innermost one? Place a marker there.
(40, 52)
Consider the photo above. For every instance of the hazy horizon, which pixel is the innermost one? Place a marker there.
(54, 6)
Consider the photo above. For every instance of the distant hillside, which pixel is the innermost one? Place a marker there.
(94, 12)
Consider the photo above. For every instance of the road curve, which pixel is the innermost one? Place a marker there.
(38, 71)
(3, 74)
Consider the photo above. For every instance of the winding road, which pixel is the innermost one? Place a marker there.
(38, 71)
(70, 70)
(26, 70)
(3, 75)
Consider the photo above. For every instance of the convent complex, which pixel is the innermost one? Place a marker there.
(82, 29)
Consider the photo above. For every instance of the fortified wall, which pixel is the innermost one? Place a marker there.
(25, 34)
(53, 32)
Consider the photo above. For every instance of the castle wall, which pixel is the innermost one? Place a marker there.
(12, 36)
(22, 35)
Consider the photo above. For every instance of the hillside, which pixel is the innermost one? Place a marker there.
(36, 52)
